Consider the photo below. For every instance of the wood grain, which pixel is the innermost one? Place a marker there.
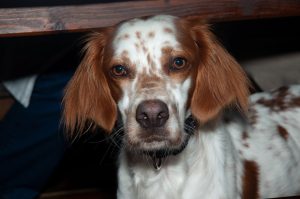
(45, 20)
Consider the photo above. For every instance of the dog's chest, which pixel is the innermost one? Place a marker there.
(182, 177)
(166, 183)
(175, 183)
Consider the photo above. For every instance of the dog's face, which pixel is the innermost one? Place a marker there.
(156, 71)
(152, 68)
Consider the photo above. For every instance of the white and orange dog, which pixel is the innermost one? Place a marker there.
(189, 128)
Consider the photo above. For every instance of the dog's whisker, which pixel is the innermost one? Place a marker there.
(116, 135)
(105, 154)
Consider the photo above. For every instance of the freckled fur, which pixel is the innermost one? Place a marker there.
(283, 132)
(168, 30)
(151, 34)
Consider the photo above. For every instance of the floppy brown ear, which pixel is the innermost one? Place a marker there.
(220, 80)
(87, 96)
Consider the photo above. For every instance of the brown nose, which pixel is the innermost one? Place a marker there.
(152, 113)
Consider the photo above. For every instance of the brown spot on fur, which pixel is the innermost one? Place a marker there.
(125, 58)
(125, 54)
(125, 36)
(137, 46)
(283, 132)
(149, 60)
(138, 34)
(246, 145)
(270, 148)
(250, 180)
(151, 34)
(295, 102)
(252, 116)
(168, 30)
(145, 49)
(240, 152)
(166, 50)
(245, 135)
(279, 101)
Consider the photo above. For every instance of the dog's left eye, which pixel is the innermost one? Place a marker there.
(178, 63)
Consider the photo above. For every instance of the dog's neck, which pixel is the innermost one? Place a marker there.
(204, 158)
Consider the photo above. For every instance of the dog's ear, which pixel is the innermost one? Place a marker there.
(88, 98)
(220, 80)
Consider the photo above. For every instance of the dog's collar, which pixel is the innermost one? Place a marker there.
(190, 125)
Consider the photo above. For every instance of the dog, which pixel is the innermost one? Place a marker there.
(189, 128)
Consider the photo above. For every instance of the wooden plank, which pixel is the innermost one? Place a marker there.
(45, 20)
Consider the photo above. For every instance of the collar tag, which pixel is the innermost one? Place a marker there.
(156, 162)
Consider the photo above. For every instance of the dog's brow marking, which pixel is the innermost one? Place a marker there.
(168, 30)
(125, 53)
(146, 81)
(123, 37)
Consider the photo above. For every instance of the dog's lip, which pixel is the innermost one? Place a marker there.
(166, 149)
(157, 142)
(154, 138)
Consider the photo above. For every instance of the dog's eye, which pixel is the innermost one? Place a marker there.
(119, 71)
(178, 63)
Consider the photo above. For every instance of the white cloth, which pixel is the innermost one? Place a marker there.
(21, 89)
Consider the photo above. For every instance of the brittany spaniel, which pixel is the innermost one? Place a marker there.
(189, 129)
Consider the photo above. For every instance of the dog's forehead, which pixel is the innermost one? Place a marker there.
(144, 39)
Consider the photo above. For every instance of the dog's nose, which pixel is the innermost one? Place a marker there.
(152, 113)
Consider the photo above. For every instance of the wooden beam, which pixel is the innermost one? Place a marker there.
(70, 18)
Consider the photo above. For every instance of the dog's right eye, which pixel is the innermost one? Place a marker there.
(119, 71)
(178, 63)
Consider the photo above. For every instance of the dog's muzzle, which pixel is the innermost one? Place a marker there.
(190, 126)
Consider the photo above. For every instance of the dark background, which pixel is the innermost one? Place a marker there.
(91, 162)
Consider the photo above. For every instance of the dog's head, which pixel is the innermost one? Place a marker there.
(156, 71)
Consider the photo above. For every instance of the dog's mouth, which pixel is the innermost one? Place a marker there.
(158, 146)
